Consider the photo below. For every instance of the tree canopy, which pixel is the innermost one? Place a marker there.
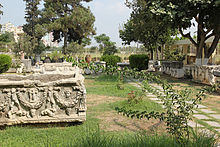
(145, 28)
(35, 26)
(106, 46)
(69, 19)
(179, 14)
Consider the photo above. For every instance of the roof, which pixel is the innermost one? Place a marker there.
(187, 41)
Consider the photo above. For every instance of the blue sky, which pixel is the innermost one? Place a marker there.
(110, 14)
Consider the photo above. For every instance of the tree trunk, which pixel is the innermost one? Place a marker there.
(152, 54)
(65, 43)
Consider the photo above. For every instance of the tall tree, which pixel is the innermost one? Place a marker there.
(69, 20)
(106, 46)
(34, 26)
(179, 15)
(1, 12)
(145, 28)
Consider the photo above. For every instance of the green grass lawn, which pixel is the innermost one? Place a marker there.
(89, 134)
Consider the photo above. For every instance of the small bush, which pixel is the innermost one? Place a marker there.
(5, 63)
(139, 61)
(111, 60)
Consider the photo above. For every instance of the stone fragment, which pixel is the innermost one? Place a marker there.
(154, 99)
(194, 111)
(216, 116)
(42, 98)
(212, 123)
(207, 111)
(201, 106)
(200, 116)
(194, 125)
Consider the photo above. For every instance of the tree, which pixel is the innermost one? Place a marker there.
(69, 20)
(1, 12)
(106, 46)
(145, 28)
(179, 15)
(7, 37)
(34, 26)
(23, 45)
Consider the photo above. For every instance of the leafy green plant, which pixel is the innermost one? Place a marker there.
(111, 60)
(5, 63)
(174, 55)
(135, 97)
(139, 62)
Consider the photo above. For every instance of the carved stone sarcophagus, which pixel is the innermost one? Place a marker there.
(42, 99)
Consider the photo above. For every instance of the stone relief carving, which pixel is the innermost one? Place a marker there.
(29, 101)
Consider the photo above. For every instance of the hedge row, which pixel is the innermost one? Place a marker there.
(5, 63)
(139, 61)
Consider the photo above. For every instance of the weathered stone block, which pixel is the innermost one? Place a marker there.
(42, 99)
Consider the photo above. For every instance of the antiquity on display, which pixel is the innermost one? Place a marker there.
(42, 99)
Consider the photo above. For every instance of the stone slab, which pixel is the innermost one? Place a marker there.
(216, 116)
(194, 111)
(154, 99)
(201, 106)
(34, 99)
(207, 111)
(194, 125)
(158, 102)
(151, 95)
(212, 123)
(200, 116)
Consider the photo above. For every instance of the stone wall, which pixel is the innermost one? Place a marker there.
(173, 68)
(203, 74)
(42, 99)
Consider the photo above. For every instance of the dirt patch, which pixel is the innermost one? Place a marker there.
(112, 121)
(93, 99)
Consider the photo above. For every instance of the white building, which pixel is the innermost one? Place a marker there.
(48, 40)
(9, 27)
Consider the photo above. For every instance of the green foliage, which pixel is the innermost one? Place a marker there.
(1, 12)
(5, 63)
(139, 62)
(74, 48)
(106, 46)
(179, 15)
(23, 45)
(173, 55)
(111, 60)
(179, 104)
(55, 56)
(145, 28)
(7, 37)
(135, 97)
(69, 20)
(92, 136)
(105, 83)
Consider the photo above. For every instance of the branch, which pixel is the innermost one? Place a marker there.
(213, 46)
(188, 36)
(210, 35)
(208, 31)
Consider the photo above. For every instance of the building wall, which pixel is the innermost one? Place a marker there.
(190, 51)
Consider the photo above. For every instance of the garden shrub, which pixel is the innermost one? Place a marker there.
(5, 63)
(139, 61)
(111, 60)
